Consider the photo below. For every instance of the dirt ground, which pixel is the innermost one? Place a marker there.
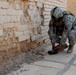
(15, 63)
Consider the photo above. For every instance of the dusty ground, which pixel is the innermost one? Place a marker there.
(15, 63)
(62, 63)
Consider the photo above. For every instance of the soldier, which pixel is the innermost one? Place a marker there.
(62, 26)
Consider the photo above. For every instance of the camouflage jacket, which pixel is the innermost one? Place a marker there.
(69, 24)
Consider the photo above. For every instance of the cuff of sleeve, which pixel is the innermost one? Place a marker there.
(61, 43)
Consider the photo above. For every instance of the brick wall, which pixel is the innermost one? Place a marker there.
(72, 6)
(24, 25)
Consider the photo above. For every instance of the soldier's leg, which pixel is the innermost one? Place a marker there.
(72, 40)
(53, 41)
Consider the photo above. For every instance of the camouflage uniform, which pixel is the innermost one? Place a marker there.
(68, 29)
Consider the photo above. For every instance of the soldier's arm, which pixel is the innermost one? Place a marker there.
(68, 22)
(51, 33)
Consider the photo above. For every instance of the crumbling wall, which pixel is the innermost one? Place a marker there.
(24, 25)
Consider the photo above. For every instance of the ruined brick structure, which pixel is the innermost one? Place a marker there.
(24, 25)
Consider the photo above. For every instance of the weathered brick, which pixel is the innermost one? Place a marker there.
(17, 34)
(14, 45)
(39, 4)
(19, 12)
(39, 30)
(24, 27)
(35, 25)
(13, 19)
(17, 6)
(47, 20)
(3, 48)
(33, 38)
(46, 23)
(46, 13)
(31, 0)
(4, 19)
(47, 40)
(44, 27)
(3, 12)
(35, 31)
(1, 26)
(44, 31)
(32, 3)
(4, 4)
(26, 32)
(18, 27)
(8, 25)
(18, 18)
(37, 0)
(45, 35)
(12, 12)
(1, 32)
(4, 43)
(1, 59)
(23, 38)
(40, 39)
(47, 16)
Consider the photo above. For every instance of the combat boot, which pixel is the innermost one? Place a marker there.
(70, 49)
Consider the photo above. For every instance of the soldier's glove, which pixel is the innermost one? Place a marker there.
(57, 48)
(60, 47)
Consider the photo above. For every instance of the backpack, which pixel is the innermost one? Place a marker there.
(67, 13)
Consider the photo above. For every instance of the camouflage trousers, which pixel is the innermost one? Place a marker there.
(71, 38)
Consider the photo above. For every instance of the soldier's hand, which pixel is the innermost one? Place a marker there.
(57, 48)
(60, 47)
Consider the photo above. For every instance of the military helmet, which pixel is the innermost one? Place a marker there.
(57, 13)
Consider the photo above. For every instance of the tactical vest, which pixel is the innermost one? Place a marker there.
(58, 29)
